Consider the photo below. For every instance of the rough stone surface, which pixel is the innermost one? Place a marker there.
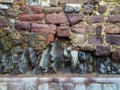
(56, 18)
(116, 55)
(95, 40)
(87, 9)
(4, 22)
(113, 39)
(31, 17)
(95, 19)
(3, 86)
(102, 9)
(25, 9)
(36, 9)
(16, 86)
(102, 51)
(75, 18)
(52, 9)
(110, 87)
(112, 29)
(114, 18)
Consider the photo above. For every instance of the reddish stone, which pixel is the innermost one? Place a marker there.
(78, 28)
(95, 40)
(36, 9)
(95, 19)
(43, 29)
(113, 39)
(102, 51)
(25, 9)
(112, 29)
(116, 56)
(56, 18)
(50, 38)
(99, 30)
(31, 17)
(114, 18)
(87, 9)
(102, 9)
(63, 31)
(22, 26)
(75, 18)
(4, 22)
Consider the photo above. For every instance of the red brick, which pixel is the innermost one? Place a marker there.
(79, 28)
(43, 29)
(4, 22)
(37, 9)
(112, 29)
(95, 19)
(75, 18)
(22, 26)
(31, 17)
(50, 38)
(63, 31)
(25, 9)
(56, 18)
(114, 18)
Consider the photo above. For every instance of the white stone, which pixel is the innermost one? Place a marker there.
(6, 1)
(110, 87)
(95, 86)
(72, 8)
(80, 87)
(3, 86)
(43, 86)
(45, 3)
(30, 86)
(4, 6)
(16, 86)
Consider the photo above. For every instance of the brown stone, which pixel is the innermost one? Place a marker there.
(4, 22)
(22, 26)
(95, 19)
(53, 3)
(114, 18)
(56, 18)
(112, 29)
(31, 17)
(37, 9)
(113, 39)
(63, 31)
(50, 38)
(95, 40)
(116, 56)
(25, 9)
(102, 9)
(102, 51)
(79, 28)
(52, 9)
(43, 29)
(75, 18)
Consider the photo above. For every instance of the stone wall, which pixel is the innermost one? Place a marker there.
(48, 36)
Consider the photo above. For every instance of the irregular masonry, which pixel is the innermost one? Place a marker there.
(87, 30)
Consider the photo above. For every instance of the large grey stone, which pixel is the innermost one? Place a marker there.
(3, 86)
(80, 87)
(110, 87)
(95, 86)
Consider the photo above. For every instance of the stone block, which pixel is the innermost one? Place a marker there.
(16, 86)
(114, 18)
(110, 87)
(95, 40)
(6, 1)
(95, 86)
(80, 87)
(43, 86)
(3, 86)
(31, 86)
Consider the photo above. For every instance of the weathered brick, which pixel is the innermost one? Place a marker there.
(78, 39)
(114, 18)
(63, 31)
(116, 56)
(95, 19)
(102, 9)
(102, 51)
(113, 39)
(22, 26)
(112, 29)
(75, 18)
(31, 17)
(4, 22)
(25, 9)
(16, 86)
(95, 40)
(79, 28)
(52, 9)
(43, 29)
(56, 18)
(87, 9)
(3, 86)
(36, 9)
